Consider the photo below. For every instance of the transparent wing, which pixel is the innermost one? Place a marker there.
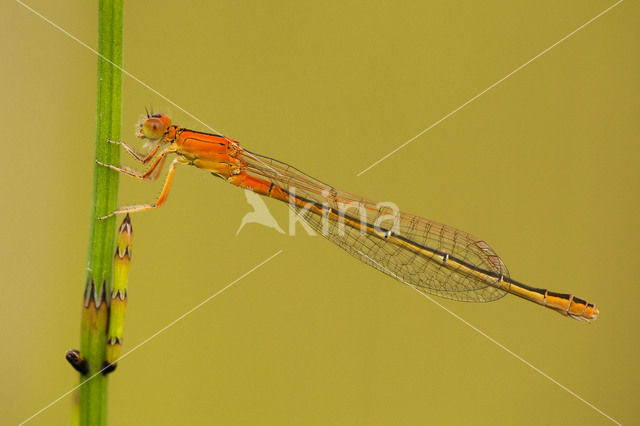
(396, 260)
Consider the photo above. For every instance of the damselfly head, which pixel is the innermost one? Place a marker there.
(153, 127)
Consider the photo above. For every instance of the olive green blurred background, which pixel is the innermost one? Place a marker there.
(544, 167)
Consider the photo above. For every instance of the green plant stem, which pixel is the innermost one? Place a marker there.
(93, 393)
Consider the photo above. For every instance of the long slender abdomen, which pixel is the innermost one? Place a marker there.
(565, 304)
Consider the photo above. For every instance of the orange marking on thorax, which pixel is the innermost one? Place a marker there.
(209, 152)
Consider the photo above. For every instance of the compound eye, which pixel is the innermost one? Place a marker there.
(153, 128)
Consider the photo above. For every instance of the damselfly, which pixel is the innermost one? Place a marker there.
(432, 257)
